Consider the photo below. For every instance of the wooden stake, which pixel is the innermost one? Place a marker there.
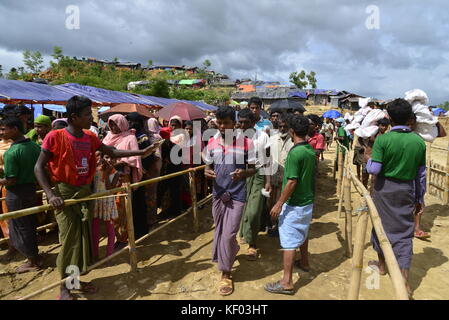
(348, 210)
(446, 180)
(339, 170)
(428, 163)
(357, 260)
(130, 228)
(194, 201)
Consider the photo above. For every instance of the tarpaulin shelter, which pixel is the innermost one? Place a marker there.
(15, 91)
(103, 96)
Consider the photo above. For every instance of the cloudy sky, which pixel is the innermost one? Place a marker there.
(408, 47)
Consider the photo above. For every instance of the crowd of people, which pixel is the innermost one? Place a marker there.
(260, 170)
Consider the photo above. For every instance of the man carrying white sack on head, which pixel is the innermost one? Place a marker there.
(425, 124)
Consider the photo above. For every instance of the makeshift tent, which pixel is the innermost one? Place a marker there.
(332, 114)
(439, 111)
(103, 96)
(13, 91)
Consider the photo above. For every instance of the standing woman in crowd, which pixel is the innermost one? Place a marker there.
(122, 138)
(171, 156)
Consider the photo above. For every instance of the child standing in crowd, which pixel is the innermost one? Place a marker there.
(229, 162)
(106, 178)
(69, 156)
(328, 130)
(295, 205)
(20, 184)
(399, 161)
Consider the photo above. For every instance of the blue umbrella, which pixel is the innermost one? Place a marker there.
(438, 111)
(332, 114)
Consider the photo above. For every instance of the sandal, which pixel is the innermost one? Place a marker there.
(375, 266)
(251, 254)
(226, 287)
(276, 287)
(421, 235)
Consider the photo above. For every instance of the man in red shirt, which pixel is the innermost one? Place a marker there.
(69, 156)
(316, 139)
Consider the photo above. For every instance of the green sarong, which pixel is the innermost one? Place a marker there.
(74, 223)
(250, 224)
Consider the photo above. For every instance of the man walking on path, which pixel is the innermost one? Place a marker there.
(295, 206)
(229, 162)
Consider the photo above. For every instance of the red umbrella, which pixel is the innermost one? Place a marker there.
(185, 111)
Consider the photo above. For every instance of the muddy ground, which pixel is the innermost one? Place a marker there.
(176, 262)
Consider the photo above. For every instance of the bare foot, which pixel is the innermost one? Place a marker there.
(379, 267)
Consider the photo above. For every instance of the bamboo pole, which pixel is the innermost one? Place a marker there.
(339, 169)
(130, 228)
(348, 210)
(446, 181)
(334, 168)
(115, 254)
(357, 259)
(390, 259)
(41, 228)
(428, 163)
(194, 200)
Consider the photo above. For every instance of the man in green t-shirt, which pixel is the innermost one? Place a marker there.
(398, 160)
(295, 205)
(342, 136)
(20, 184)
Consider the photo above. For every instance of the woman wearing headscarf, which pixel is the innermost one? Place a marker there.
(170, 190)
(151, 164)
(122, 138)
(42, 126)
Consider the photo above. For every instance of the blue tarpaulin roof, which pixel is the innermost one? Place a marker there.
(438, 111)
(30, 92)
(100, 95)
(298, 94)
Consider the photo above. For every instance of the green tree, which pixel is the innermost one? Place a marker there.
(33, 61)
(150, 62)
(302, 79)
(206, 64)
(1, 71)
(444, 105)
(57, 53)
(160, 88)
(13, 74)
(115, 60)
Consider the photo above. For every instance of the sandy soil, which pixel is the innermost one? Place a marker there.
(175, 263)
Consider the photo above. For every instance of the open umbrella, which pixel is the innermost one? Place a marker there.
(125, 108)
(438, 111)
(285, 104)
(185, 111)
(332, 114)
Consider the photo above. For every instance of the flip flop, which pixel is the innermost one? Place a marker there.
(226, 287)
(69, 296)
(251, 254)
(421, 235)
(375, 266)
(276, 287)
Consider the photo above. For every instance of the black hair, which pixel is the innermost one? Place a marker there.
(400, 111)
(225, 112)
(299, 124)
(136, 121)
(384, 122)
(255, 100)
(21, 109)
(188, 123)
(284, 117)
(315, 119)
(247, 114)
(76, 104)
(13, 122)
(59, 124)
(275, 110)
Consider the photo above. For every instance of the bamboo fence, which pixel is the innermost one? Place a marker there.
(438, 174)
(127, 189)
(357, 252)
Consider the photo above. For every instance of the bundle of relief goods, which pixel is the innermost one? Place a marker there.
(425, 120)
(365, 120)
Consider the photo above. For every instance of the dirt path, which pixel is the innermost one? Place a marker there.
(175, 264)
